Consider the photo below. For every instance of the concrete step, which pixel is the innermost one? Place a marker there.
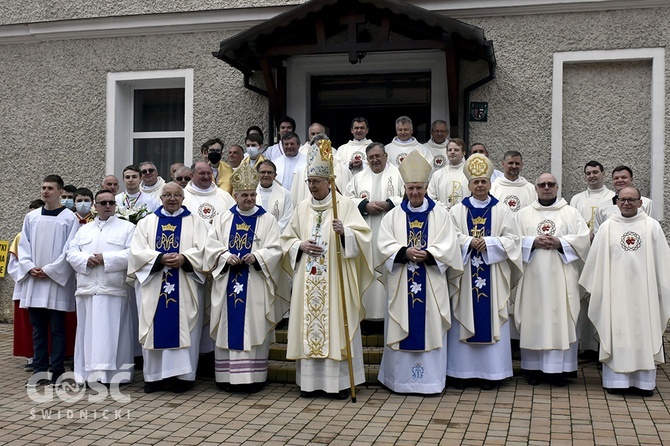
(370, 340)
(284, 372)
(371, 355)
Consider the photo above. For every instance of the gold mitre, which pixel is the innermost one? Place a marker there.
(414, 168)
(478, 166)
(320, 160)
(244, 178)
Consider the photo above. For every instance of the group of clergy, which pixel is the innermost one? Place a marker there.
(445, 274)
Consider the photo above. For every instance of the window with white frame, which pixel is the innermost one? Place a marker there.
(149, 118)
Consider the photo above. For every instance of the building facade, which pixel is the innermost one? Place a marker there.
(89, 87)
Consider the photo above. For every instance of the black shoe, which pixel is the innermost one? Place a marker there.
(153, 386)
(226, 387)
(181, 386)
(487, 384)
(534, 377)
(256, 387)
(557, 380)
(305, 394)
(613, 391)
(458, 383)
(643, 392)
(342, 395)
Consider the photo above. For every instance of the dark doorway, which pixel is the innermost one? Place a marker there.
(381, 98)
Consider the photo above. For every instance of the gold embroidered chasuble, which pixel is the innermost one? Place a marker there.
(316, 327)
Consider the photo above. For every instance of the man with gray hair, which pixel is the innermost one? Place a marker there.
(555, 241)
(376, 190)
(164, 248)
(437, 144)
(404, 143)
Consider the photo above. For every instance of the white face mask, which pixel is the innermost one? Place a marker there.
(253, 152)
(83, 207)
(67, 202)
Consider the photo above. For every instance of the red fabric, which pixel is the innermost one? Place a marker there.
(70, 333)
(23, 333)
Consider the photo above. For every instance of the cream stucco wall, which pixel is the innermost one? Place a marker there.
(606, 106)
(54, 106)
(27, 11)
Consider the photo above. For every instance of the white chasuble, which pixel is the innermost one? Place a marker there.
(515, 194)
(626, 274)
(548, 295)
(369, 186)
(449, 185)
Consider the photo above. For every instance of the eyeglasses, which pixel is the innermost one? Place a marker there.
(314, 181)
(627, 200)
(183, 178)
(106, 203)
(169, 196)
(148, 171)
(548, 184)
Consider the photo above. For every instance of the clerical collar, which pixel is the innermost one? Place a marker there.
(176, 214)
(547, 203)
(197, 189)
(265, 189)
(422, 208)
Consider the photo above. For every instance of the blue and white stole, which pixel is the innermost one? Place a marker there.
(417, 237)
(479, 225)
(166, 319)
(240, 242)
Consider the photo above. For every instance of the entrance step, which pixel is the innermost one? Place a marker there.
(282, 370)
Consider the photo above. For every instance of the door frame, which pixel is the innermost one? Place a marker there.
(300, 70)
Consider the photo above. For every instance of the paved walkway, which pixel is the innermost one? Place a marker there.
(516, 413)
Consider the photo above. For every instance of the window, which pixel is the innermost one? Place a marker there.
(149, 118)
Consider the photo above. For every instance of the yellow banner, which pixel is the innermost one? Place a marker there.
(4, 250)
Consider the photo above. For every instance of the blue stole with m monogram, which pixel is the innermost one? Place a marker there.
(479, 225)
(240, 242)
(417, 237)
(166, 319)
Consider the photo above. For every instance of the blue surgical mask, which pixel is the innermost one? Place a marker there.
(67, 202)
(83, 207)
